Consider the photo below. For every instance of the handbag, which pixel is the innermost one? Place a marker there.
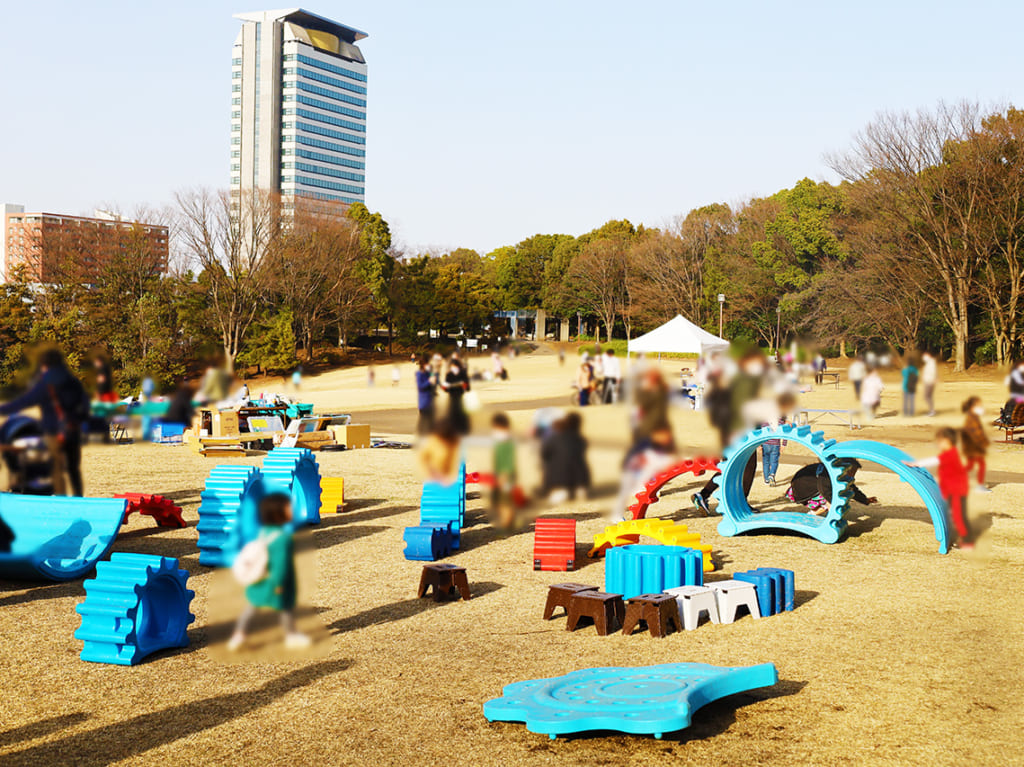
(250, 566)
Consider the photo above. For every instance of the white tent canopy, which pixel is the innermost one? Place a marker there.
(677, 336)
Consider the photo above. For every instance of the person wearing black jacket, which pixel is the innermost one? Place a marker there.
(811, 486)
(64, 405)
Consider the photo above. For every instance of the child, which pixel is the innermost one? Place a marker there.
(644, 460)
(770, 452)
(502, 500)
(439, 453)
(276, 590)
(811, 486)
(871, 394)
(975, 440)
(953, 482)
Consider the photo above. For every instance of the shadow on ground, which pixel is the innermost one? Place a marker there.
(123, 740)
(407, 608)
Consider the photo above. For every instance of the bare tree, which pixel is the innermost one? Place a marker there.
(598, 276)
(906, 181)
(230, 236)
(314, 266)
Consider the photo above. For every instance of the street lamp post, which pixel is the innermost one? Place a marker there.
(778, 329)
(721, 303)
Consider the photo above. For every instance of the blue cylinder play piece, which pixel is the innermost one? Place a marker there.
(424, 543)
(769, 590)
(228, 513)
(294, 470)
(639, 569)
(445, 505)
(57, 538)
(136, 605)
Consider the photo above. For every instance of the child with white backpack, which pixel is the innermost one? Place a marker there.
(266, 567)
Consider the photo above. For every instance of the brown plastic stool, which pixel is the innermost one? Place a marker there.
(447, 580)
(606, 610)
(659, 611)
(559, 595)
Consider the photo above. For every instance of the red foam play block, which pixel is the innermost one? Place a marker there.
(554, 544)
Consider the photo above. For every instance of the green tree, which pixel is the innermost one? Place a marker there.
(270, 343)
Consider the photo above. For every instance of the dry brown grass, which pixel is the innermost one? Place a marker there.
(895, 655)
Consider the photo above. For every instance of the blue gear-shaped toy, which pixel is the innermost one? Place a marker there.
(228, 513)
(294, 470)
(649, 700)
(136, 605)
(739, 517)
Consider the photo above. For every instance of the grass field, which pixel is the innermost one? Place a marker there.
(894, 655)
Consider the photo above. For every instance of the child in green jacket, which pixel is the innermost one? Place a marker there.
(276, 590)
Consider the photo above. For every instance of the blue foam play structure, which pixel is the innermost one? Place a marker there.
(229, 504)
(57, 538)
(648, 700)
(294, 470)
(739, 517)
(636, 569)
(442, 507)
(774, 587)
(427, 544)
(136, 605)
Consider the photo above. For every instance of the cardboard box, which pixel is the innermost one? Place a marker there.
(352, 436)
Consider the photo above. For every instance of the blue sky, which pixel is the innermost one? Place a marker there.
(490, 122)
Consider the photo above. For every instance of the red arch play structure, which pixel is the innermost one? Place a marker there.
(649, 495)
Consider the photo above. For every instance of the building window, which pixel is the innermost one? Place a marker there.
(331, 120)
(236, 75)
(308, 141)
(308, 181)
(236, 139)
(235, 167)
(235, 153)
(236, 102)
(330, 107)
(309, 128)
(236, 62)
(236, 115)
(325, 171)
(236, 180)
(330, 94)
(331, 68)
(236, 88)
(309, 73)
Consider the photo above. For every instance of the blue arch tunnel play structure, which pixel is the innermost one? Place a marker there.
(738, 516)
(57, 538)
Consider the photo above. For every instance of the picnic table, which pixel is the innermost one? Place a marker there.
(808, 415)
(833, 375)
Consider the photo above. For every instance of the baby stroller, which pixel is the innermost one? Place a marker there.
(28, 460)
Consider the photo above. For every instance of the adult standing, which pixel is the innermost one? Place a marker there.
(425, 396)
(104, 380)
(612, 377)
(64, 406)
(857, 372)
(871, 394)
(820, 366)
(456, 383)
(910, 380)
(585, 379)
(929, 377)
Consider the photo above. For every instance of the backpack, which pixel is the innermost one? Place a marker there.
(911, 381)
(250, 566)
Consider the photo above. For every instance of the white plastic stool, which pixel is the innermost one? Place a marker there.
(692, 601)
(731, 595)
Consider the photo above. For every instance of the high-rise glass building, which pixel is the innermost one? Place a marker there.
(298, 106)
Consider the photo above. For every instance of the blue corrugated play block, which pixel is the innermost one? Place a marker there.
(425, 543)
(638, 569)
(775, 592)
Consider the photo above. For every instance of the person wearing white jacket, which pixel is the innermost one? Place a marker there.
(871, 394)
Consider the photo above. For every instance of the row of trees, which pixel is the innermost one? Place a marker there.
(919, 245)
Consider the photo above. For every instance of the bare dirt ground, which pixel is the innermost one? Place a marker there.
(894, 655)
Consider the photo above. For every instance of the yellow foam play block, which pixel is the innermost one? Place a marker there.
(662, 530)
(332, 494)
